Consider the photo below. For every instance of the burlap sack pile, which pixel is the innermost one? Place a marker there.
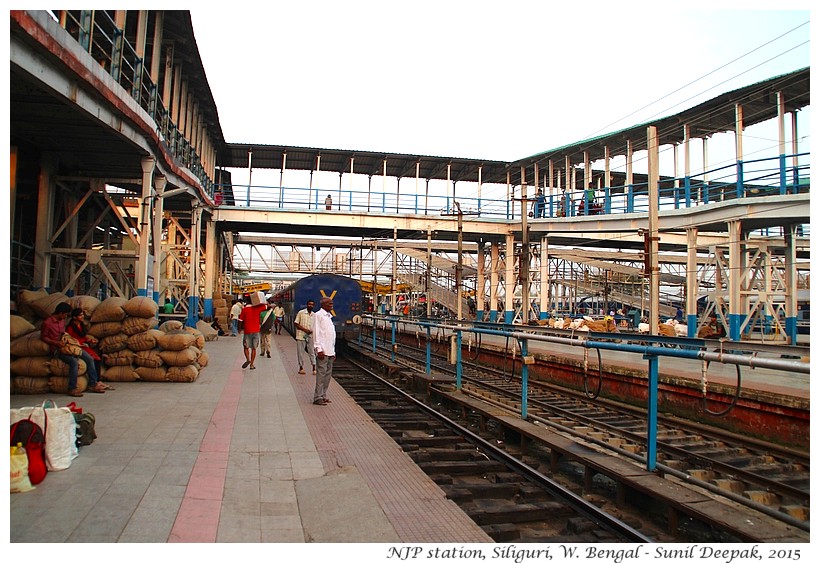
(222, 310)
(131, 346)
(143, 351)
(32, 368)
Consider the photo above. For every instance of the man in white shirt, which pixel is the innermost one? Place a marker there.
(236, 309)
(304, 336)
(324, 343)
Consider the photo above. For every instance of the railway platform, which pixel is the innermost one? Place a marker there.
(238, 456)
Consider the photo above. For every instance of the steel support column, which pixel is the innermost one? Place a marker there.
(160, 281)
(142, 281)
(691, 282)
(509, 279)
(210, 268)
(193, 266)
(737, 271)
(45, 218)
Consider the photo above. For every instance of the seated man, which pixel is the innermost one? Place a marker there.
(51, 333)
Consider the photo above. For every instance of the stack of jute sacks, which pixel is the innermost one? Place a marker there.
(130, 344)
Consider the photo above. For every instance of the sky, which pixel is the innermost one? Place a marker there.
(493, 80)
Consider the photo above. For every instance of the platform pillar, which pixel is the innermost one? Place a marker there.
(509, 279)
(737, 269)
(493, 281)
(544, 280)
(480, 290)
(691, 282)
(144, 282)
(160, 281)
(210, 268)
(45, 217)
(193, 268)
(791, 284)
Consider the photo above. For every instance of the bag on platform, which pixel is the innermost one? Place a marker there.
(60, 432)
(85, 428)
(85, 424)
(18, 471)
(31, 436)
(69, 346)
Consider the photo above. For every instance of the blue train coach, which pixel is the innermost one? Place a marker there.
(345, 292)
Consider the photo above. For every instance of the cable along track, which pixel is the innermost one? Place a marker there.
(509, 499)
(766, 478)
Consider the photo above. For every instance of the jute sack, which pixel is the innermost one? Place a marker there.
(178, 358)
(149, 359)
(135, 325)
(152, 374)
(206, 330)
(172, 325)
(141, 306)
(120, 373)
(59, 367)
(182, 374)
(88, 303)
(144, 340)
(29, 345)
(26, 385)
(19, 326)
(110, 310)
(107, 328)
(202, 360)
(199, 341)
(32, 366)
(176, 340)
(45, 306)
(113, 343)
(59, 384)
(26, 297)
(120, 358)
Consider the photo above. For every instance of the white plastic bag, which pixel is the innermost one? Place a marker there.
(60, 431)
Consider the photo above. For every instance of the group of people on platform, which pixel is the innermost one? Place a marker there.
(586, 206)
(315, 337)
(66, 333)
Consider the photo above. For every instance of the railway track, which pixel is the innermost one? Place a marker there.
(509, 498)
(750, 475)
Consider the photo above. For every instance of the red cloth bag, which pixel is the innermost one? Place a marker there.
(33, 439)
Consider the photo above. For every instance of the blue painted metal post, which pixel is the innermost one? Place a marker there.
(791, 329)
(735, 322)
(607, 201)
(652, 414)
(193, 309)
(687, 190)
(459, 368)
(630, 199)
(393, 341)
(691, 326)
(524, 377)
(740, 190)
(427, 359)
(508, 317)
(374, 337)
(782, 174)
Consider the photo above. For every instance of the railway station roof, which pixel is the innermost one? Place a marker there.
(365, 162)
(713, 116)
(759, 102)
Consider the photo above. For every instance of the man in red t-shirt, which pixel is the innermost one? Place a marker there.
(250, 326)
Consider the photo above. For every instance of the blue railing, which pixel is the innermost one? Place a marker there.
(754, 178)
(99, 35)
